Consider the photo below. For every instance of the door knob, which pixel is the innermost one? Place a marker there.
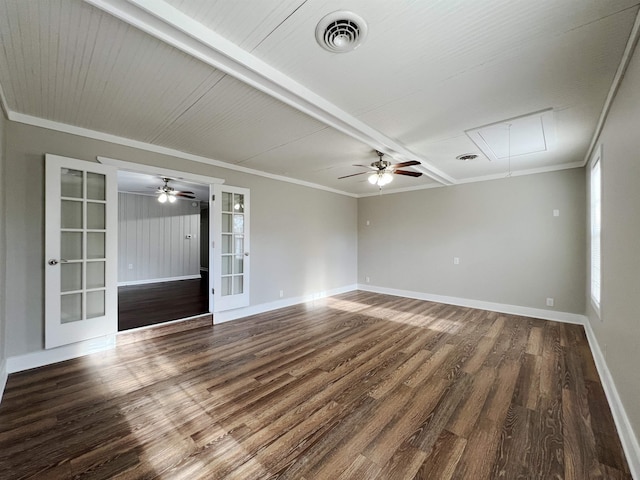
(53, 261)
(246, 254)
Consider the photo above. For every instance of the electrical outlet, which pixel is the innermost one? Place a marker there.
(367, 279)
(456, 260)
(550, 302)
(130, 266)
(281, 293)
(556, 212)
(368, 223)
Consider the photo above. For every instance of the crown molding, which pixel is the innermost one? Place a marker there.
(485, 178)
(128, 142)
(615, 85)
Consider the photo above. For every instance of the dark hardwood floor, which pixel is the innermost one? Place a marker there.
(150, 304)
(360, 386)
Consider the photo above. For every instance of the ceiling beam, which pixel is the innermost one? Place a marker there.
(177, 29)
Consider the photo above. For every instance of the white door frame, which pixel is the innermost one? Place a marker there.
(177, 174)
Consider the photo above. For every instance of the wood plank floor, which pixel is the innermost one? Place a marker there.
(360, 386)
(150, 304)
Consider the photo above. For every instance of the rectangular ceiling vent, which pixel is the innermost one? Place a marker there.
(532, 133)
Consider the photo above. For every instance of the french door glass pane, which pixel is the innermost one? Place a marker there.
(226, 286)
(226, 222)
(95, 274)
(95, 216)
(70, 277)
(96, 186)
(227, 202)
(226, 265)
(238, 224)
(71, 245)
(227, 245)
(239, 245)
(71, 183)
(71, 308)
(238, 264)
(238, 203)
(95, 304)
(71, 214)
(95, 245)
(237, 284)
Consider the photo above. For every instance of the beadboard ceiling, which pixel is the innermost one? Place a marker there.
(245, 83)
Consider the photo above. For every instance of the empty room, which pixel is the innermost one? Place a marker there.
(310, 239)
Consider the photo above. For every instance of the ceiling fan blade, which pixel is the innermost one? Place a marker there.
(366, 166)
(408, 173)
(352, 175)
(185, 195)
(406, 164)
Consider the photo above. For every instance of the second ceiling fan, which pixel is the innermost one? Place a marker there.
(384, 170)
(166, 192)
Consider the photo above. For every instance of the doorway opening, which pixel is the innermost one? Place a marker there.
(163, 250)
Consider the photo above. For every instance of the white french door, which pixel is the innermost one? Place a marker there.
(230, 259)
(81, 214)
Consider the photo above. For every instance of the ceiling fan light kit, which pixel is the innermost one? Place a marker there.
(380, 179)
(383, 171)
(170, 194)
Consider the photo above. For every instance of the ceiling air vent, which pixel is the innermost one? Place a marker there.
(341, 31)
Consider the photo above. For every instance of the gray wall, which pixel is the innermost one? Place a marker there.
(512, 249)
(302, 240)
(3, 251)
(152, 238)
(618, 329)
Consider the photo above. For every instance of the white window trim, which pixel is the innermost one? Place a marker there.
(596, 162)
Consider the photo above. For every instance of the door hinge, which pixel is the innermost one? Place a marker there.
(213, 290)
(213, 198)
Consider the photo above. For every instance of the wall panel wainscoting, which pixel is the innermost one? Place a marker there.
(360, 385)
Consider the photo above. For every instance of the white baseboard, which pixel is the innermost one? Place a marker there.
(163, 324)
(157, 280)
(3, 377)
(557, 316)
(627, 436)
(228, 315)
(40, 358)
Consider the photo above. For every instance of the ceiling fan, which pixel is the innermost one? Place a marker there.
(166, 192)
(383, 170)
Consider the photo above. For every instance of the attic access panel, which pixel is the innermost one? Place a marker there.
(533, 133)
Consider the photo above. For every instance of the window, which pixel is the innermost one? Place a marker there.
(595, 208)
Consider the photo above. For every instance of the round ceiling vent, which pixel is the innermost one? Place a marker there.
(341, 31)
(465, 157)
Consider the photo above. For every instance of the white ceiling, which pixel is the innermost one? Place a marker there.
(245, 82)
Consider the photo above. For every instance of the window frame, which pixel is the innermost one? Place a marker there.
(595, 232)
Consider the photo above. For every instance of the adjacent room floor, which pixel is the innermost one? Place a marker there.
(360, 385)
(150, 304)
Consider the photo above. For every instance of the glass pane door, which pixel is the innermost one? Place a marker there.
(232, 250)
(81, 207)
